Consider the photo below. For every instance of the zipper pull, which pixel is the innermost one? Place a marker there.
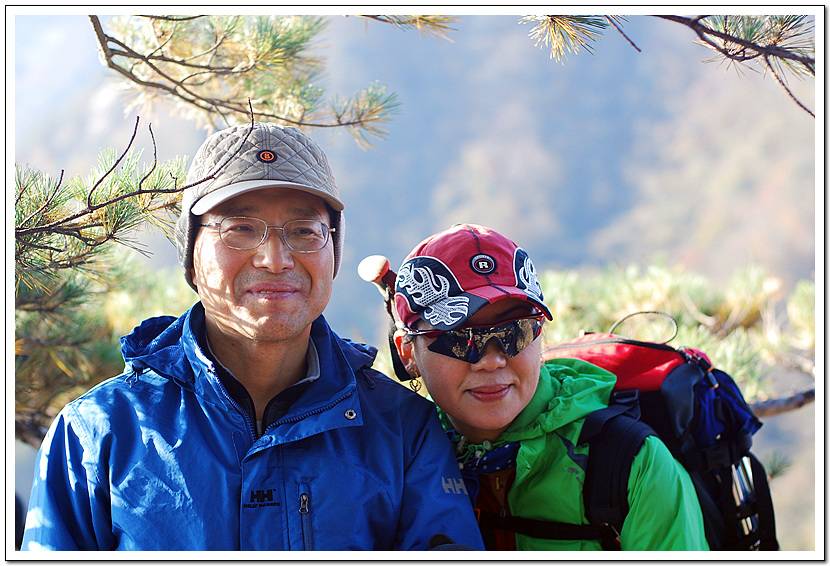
(303, 504)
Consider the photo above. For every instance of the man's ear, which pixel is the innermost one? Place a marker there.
(404, 347)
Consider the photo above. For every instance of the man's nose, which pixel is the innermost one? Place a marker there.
(274, 253)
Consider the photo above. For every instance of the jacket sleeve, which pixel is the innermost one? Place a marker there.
(664, 510)
(435, 499)
(68, 507)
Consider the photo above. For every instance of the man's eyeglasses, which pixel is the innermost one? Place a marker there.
(468, 343)
(242, 233)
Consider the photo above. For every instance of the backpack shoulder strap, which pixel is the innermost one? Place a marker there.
(614, 436)
(766, 515)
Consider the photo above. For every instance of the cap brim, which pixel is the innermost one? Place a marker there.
(493, 294)
(219, 196)
(483, 296)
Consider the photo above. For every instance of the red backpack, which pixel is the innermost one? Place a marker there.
(698, 411)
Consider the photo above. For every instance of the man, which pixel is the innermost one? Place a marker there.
(247, 424)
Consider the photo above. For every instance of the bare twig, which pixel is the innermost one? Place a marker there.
(172, 18)
(781, 82)
(120, 158)
(155, 157)
(619, 29)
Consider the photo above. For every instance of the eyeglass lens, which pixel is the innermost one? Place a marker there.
(243, 233)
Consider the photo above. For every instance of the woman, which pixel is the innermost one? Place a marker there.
(470, 312)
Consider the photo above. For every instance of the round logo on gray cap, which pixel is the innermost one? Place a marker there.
(266, 156)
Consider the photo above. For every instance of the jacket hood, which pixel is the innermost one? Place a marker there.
(568, 390)
(156, 344)
(358, 355)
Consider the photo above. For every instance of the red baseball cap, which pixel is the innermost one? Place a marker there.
(449, 276)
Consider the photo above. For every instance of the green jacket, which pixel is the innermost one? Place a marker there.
(664, 511)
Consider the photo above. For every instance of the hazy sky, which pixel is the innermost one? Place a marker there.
(491, 130)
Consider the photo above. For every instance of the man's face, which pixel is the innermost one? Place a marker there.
(270, 293)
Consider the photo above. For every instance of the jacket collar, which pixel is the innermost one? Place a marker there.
(568, 390)
(168, 345)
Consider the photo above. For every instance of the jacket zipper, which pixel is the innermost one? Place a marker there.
(245, 416)
(305, 517)
(309, 413)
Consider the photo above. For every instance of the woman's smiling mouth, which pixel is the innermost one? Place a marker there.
(490, 393)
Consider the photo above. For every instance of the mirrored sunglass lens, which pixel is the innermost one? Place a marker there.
(505, 335)
(520, 334)
(468, 344)
(454, 344)
(242, 233)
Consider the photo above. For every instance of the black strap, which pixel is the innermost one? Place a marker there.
(610, 456)
(763, 498)
(397, 363)
(538, 528)
(614, 435)
(549, 530)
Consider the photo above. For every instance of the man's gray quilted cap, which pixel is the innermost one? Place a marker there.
(268, 156)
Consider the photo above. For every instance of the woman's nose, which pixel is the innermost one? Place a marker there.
(493, 357)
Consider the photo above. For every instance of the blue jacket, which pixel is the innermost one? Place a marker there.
(161, 458)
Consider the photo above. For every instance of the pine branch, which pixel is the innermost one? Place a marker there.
(705, 33)
(764, 42)
(569, 33)
(751, 47)
(254, 60)
(435, 26)
(782, 405)
(65, 223)
(46, 203)
(97, 223)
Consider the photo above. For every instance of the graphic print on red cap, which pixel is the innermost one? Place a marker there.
(450, 276)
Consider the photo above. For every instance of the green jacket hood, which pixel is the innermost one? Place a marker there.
(568, 391)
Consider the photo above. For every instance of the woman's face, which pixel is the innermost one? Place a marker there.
(481, 399)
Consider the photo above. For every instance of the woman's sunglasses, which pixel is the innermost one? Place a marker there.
(468, 343)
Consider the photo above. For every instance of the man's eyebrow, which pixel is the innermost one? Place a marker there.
(306, 212)
(242, 210)
(299, 211)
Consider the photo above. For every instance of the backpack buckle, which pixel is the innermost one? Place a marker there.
(609, 537)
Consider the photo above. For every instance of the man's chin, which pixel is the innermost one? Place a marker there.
(278, 327)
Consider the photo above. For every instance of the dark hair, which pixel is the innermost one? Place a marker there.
(333, 214)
